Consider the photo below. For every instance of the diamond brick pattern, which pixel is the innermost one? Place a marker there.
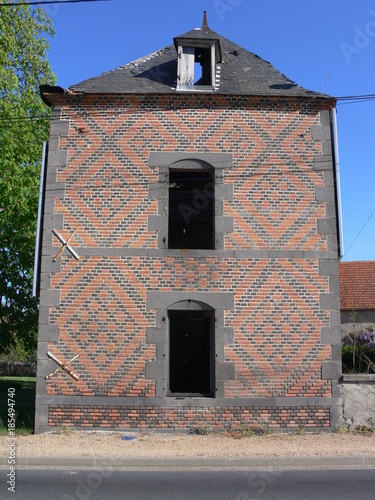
(277, 321)
(277, 350)
(101, 318)
(108, 175)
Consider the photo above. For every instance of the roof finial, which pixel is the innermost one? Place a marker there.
(204, 25)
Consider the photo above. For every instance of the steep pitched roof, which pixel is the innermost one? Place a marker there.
(240, 72)
(357, 285)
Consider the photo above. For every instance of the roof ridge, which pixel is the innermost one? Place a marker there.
(149, 57)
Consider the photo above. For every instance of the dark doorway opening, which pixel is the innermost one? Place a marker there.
(191, 209)
(190, 352)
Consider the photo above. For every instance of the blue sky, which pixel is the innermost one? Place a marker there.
(323, 45)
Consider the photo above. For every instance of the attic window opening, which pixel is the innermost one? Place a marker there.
(202, 67)
(196, 68)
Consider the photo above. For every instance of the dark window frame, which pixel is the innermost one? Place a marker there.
(191, 209)
(195, 356)
(162, 163)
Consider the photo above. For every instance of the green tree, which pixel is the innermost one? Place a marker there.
(24, 124)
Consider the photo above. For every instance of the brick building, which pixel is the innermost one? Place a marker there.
(193, 195)
(357, 295)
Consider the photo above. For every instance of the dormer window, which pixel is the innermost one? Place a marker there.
(196, 67)
(198, 55)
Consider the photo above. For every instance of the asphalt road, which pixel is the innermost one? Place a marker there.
(333, 484)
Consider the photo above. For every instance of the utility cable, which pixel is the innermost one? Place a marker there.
(355, 239)
(52, 2)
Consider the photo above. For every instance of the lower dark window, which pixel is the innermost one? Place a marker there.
(191, 209)
(190, 352)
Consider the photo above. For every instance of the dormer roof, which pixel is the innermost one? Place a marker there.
(238, 72)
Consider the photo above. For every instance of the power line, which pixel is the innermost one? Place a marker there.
(52, 2)
(355, 239)
(345, 99)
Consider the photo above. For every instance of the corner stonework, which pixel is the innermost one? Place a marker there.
(48, 297)
(328, 266)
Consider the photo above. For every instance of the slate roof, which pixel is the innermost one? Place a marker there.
(240, 73)
(357, 285)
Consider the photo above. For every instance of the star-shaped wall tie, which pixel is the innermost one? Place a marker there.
(65, 244)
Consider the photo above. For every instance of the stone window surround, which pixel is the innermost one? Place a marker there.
(162, 302)
(159, 191)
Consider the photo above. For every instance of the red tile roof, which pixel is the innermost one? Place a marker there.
(357, 285)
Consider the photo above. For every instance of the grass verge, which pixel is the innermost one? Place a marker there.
(24, 398)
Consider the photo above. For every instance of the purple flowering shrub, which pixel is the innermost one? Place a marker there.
(358, 351)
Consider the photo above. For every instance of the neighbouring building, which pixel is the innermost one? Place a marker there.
(190, 242)
(357, 294)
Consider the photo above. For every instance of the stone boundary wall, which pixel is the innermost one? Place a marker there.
(358, 400)
(17, 368)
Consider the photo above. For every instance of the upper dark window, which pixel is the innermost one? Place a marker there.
(191, 209)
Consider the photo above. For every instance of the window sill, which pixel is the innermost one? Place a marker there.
(195, 88)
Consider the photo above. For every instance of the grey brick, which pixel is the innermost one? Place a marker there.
(55, 190)
(48, 333)
(323, 162)
(328, 178)
(225, 371)
(331, 370)
(224, 224)
(155, 370)
(329, 301)
(335, 318)
(324, 194)
(320, 132)
(324, 117)
(331, 210)
(330, 335)
(334, 284)
(163, 300)
(50, 297)
(328, 267)
(51, 175)
(155, 335)
(326, 226)
(57, 158)
(60, 128)
(157, 223)
(326, 147)
(224, 192)
(156, 191)
(224, 336)
(55, 221)
(217, 160)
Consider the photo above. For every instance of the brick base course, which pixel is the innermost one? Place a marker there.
(148, 417)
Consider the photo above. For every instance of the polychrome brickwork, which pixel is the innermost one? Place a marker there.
(107, 175)
(279, 261)
(187, 418)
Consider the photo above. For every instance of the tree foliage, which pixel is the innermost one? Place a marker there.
(24, 125)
